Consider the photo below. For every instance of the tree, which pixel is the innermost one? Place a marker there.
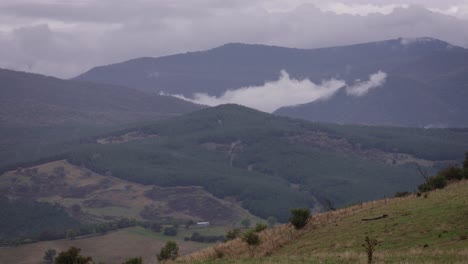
(49, 256)
(170, 231)
(251, 238)
(260, 227)
(271, 220)
(72, 256)
(465, 162)
(233, 234)
(245, 223)
(299, 217)
(134, 261)
(370, 244)
(169, 252)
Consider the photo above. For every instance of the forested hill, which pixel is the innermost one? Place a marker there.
(251, 156)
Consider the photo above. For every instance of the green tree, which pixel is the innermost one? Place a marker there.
(245, 223)
(49, 256)
(170, 251)
(233, 234)
(251, 238)
(134, 261)
(299, 217)
(260, 227)
(72, 256)
(170, 231)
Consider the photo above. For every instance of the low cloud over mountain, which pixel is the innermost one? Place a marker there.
(286, 91)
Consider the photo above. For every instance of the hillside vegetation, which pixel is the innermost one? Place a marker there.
(430, 228)
(233, 151)
(250, 157)
(66, 195)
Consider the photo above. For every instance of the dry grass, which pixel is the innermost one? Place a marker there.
(115, 247)
(335, 237)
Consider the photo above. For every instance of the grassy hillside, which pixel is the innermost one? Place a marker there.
(430, 229)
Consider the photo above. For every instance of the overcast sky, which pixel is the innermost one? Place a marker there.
(66, 37)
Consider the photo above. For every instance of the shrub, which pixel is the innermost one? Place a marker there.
(465, 162)
(451, 173)
(72, 255)
(233, 234)
(169, 252)
(402, 194)
(134, 261)
(251, 238)
(434, 182)
(170, 231)
(260, 227)
(49, 256)
(465, 173)
(245, 223)
(299, 217)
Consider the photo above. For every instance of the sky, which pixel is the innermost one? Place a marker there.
(64, 38)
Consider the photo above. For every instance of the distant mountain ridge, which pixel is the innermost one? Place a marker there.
(427, 78)
(32, 99)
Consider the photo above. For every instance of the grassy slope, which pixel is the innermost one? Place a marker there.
(336, 237)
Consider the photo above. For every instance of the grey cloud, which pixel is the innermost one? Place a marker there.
(57, 38)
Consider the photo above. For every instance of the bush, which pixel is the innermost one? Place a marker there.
(465, 173)
(72, 255)
(169, 252)
(245, 223)
(402, 194)
(299, 217)
(451, 173)
(434, 182)
(134, 261)
(233, 234)
(49, 256)
(170, 231)
(260, 227)
(251, 238)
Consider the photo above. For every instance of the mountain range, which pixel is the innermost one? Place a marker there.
(425, 86)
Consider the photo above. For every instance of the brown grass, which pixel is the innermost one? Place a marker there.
(114, 247)
(284, 240)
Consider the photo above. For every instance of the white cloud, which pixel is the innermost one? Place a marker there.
(286, 92)
(362, 88)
